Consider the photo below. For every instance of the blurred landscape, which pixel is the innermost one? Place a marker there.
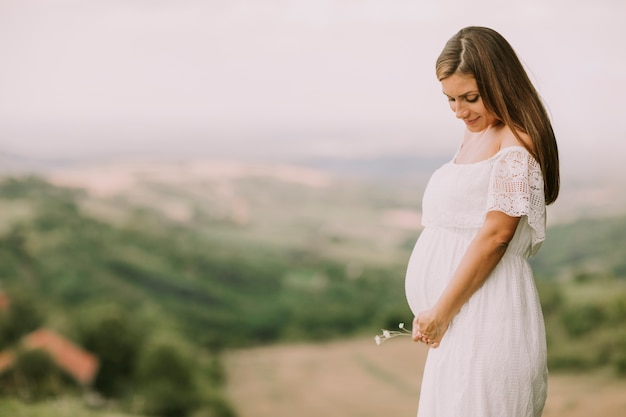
(196, 263)
(206, 207)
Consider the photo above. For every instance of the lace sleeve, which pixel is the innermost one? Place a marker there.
(516, 189)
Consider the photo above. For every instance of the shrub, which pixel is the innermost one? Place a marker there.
(570, 362)
(617, 310)
(116, 340)
(34, 376)
(620, 365)
(551, 297)
(620, 357)
(165, 398)
(168, 382)
(22, 317)
(219, 407)
(579, 320)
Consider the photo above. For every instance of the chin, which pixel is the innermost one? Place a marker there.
(476, 129)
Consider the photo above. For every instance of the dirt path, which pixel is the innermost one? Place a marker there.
(356, 378)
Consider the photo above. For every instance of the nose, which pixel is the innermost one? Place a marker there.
(460, 110)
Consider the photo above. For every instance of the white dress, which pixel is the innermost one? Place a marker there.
(492, 360)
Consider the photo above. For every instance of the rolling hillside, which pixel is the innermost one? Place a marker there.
(221, 256)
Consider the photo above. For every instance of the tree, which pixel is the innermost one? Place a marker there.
(167, 378)
(117, 341)
(23, 316)
(34, 376)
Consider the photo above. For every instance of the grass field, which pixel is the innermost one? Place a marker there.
(62, 407)
(356, 378)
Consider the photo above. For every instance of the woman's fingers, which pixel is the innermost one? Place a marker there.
(415, 332)
(418, 336)
(427, 334)
(421, 337)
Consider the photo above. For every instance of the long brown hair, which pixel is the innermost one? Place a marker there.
(507, 92)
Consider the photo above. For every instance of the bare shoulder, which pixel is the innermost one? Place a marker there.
(508, 138)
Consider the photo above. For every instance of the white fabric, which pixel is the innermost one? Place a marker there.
(492, 360)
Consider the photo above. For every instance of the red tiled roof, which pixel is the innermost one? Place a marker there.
(77, 362)
(6, 360)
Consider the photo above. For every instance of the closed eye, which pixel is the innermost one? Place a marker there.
(470, 99)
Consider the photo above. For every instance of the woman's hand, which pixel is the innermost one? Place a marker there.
(428, 328)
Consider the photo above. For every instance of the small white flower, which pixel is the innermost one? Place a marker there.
(387, 334)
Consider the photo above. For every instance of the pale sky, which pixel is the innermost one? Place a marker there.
(340, 77)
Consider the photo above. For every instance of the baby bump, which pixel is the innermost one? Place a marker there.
(436, 254)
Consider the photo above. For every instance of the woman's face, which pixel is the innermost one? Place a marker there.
(466, 103)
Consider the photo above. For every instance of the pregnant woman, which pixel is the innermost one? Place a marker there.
(468, 281)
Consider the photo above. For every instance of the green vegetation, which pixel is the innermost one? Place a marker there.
(24, 316)
(157, 300)
(582, 284)
(584, 251)
(35, 376)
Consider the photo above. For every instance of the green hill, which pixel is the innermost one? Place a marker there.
(587, 247)
(125, 289)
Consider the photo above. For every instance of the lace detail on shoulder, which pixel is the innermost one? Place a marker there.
(516, 189)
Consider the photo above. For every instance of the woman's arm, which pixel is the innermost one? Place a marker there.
(481, 257)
